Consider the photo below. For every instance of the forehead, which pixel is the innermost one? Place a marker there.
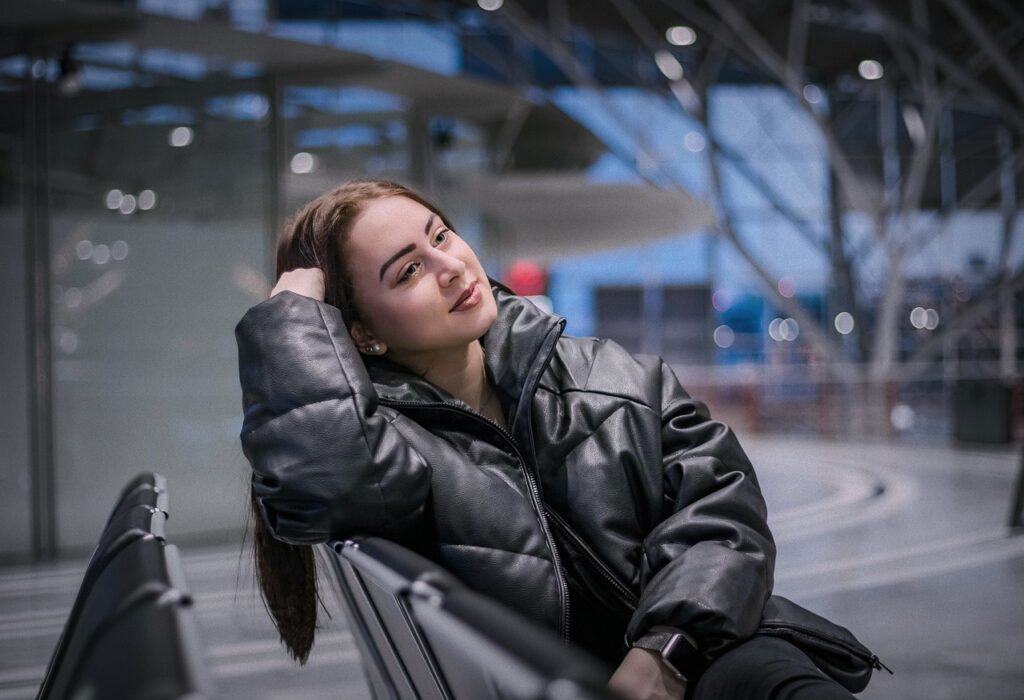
(388, 223)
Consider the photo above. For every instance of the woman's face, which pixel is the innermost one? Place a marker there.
(409, 271)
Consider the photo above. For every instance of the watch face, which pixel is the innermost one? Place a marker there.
(672, 669)
(683, 657)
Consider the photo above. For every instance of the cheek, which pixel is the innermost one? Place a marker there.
(472, 260)
(408, 319)
(418, 320)
(398, 319)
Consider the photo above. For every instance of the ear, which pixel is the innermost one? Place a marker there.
(365, 341)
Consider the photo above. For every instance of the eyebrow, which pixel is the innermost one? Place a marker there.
(407, 249)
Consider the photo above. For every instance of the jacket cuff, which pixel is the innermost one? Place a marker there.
(677, 650)
(658, 631)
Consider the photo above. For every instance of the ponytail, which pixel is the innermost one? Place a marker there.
(286, 576)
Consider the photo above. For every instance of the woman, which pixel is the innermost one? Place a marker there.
(391, 389)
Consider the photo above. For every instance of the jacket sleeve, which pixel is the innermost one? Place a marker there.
(707, 568)
(325, 462)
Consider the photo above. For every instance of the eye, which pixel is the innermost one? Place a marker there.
(441, 236)
(409, 271)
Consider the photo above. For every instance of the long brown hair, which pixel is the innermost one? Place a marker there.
(314, 237)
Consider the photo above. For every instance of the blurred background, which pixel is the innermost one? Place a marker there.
(809, 208)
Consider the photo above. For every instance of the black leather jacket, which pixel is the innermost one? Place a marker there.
(612, 493)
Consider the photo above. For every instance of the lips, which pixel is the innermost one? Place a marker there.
(462, 297)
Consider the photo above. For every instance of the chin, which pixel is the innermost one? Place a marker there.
(479, 323)
(483, 321)
(488, 309)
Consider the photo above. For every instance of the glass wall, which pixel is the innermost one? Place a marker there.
(160, 197)
(331, 133)
(15, 496)
(166, 175)
(164, 181)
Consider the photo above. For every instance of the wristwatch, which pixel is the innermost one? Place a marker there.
(677, 651)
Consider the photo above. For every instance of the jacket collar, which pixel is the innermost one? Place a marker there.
(517, 348)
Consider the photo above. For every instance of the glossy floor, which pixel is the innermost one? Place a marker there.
(906, 546)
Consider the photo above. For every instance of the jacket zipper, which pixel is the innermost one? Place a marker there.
(530, 480)
(799, 631)
(589, 553)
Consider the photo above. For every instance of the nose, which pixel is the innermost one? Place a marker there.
(449, 267)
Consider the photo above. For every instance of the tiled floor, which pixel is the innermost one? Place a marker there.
(905, 546)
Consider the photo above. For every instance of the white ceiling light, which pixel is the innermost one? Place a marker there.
(917, 317)
(113, 199)
(180, 136)
(127, 205)
(844, 322)
(870, 69)
(668, 65)
(680, 36)
(303, 163)
(694, 141)
(147, 200)
(724, 336)
(813, 94)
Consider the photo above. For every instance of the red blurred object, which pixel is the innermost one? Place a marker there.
(526, 278)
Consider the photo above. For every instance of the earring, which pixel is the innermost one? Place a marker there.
(375, 348)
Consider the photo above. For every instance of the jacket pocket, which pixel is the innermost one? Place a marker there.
(831, 647)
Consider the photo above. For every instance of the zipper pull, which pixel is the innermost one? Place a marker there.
(877, 664)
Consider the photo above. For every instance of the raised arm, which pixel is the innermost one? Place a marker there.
(325, 462)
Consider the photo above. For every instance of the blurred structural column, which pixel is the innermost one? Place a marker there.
(1016, 519)
(844, 291)
(421, 156)
(1008, 200)
(948, 203)
(37, 262)
(277, 160)
(885, 351)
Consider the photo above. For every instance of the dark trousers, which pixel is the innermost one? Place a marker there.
(765, 668)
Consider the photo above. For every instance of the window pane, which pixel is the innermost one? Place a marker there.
(15, 456)
(159, 241)
(685, 326)
(620, 316)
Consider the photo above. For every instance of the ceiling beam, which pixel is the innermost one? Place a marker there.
(520, 22)
(797, 41)
(902, 32)
(988, 44)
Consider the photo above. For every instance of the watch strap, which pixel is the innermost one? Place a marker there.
(677, 650)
